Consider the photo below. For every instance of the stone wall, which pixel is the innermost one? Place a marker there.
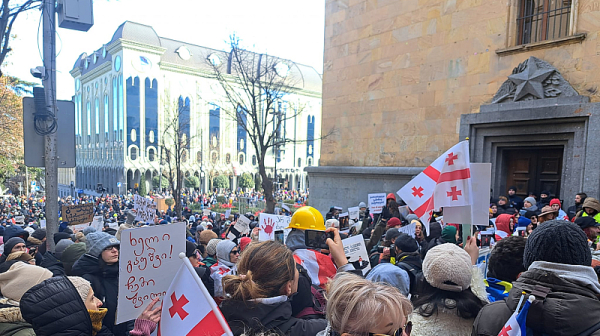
(398, 74)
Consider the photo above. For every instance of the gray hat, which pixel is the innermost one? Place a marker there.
(223, 249)
(530, 200)
(211, 247)
(362, 205)
(88, 230)
(98, 241)
(412, 217)
(61, 246)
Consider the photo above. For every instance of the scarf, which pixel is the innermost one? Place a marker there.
(97, 316)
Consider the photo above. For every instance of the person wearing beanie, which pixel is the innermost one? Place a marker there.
(69, 306)
(211, 251)
(37, 238)
(408, 258)
(558, 260)
(504, 207)
(206, 236)
(529, 204)
(514, 200)
(71, 254)
(100, 266)
(15, 231)
(244, 242)
(591, 228)
(16, 278)
(21, 256)
(390, 274)
(228, 254)
(556, 206)
(88, 229)
(61, 246)
(452, 294)
(394, 222)
(60, 236)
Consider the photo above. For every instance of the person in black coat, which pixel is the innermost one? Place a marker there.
(100, 266)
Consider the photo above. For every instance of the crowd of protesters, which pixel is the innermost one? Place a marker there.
(427, 283)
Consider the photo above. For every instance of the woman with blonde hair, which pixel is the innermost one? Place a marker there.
(359, 307)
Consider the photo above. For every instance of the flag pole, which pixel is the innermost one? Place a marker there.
(211, 301)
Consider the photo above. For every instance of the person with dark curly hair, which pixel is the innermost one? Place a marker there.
(504, 267)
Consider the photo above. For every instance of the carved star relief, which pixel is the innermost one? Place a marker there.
(530, 80)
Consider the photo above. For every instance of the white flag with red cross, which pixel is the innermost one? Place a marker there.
(445, 183)
(188, 309)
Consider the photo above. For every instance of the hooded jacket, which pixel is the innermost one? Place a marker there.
(271, 314)
(571, 306)
(11, 321)
(593, 203)
(105, 283)
(503, 227)
(55, 308)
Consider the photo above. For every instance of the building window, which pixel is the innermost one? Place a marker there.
(227, 158)
(151, 154)
(309, 162)
(541, 20)
(241, 160)
(133, 153)
(184, 156)
(254, 160)
(199, 156)
(299, 162)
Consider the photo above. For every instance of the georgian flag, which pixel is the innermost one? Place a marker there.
(319, 267)
(217, 273)
(188, 309)
(516, 324)
(445, 183)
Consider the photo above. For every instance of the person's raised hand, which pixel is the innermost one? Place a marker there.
(336, 248)
(151, 314)
(472, 249)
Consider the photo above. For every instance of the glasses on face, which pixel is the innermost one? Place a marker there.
(235, 252)
(407, 328)
(116, 247)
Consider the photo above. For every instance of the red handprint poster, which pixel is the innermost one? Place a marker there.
(268, 224)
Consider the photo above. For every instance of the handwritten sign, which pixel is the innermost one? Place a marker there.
(78, 214)
(242, 226)
(356, 252)
(409, 229)
(354, 213)
(268, 224)
(145, 209)
(147, 264)
(43, 223)
(97, 223)
(376, 203)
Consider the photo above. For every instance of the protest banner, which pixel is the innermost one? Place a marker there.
(145, 209)
(227, 213)
(97, 223)
(356, 251)
(242, 226)
(206, 212)
(43, 223)
(409, 229)
(20, 219)
(147, 264)
(78, 214)
(376, 203)
(354, 213)
(268, 224)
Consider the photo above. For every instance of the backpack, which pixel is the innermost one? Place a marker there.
(415, 275)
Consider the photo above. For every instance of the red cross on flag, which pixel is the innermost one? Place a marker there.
(445, 183)
(188, 309)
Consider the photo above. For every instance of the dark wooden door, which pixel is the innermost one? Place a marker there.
(534, 169)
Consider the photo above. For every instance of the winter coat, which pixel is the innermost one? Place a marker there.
(11, 321)
(105, 283)
(376, 235)
(52, 264)
(503, 227)
(271, 314)
(571, 306)
(55, 308)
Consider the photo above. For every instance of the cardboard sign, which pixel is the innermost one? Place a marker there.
(78, 214)
(376, 203)
(242, 226)
(268, 224)
(354, 213)
(409, 229)
(148, 261)
(145, 209)
(356, 252)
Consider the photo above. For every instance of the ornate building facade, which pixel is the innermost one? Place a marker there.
(122, 93)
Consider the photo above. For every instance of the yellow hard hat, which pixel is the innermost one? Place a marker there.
(307, 218)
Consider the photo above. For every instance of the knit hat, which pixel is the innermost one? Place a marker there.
(190, 248)
(392, 275)
(62, 246)
(448, 267)
(555, 201)
(60, 236)
(586, 222)
(390, 196)
(523, 221)
(10, 244)
(393, 222)
(406, 243)
(88, 230)
(39, 234)
(512, 188)
(211, 247)
(244, 242)
(530, 200)
(391, 234)
(362, 205)
(557, 241)
(81, 285)
(224, 247)
(98, 241)
(20, 277)
(206, 236)
(449, 234)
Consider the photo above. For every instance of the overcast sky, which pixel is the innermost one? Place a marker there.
(288, 29)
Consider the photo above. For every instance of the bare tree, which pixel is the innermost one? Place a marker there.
(9, 11)
(175, 145)
(255, 86)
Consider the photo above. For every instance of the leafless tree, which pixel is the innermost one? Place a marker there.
(255, 86)
(9, 11)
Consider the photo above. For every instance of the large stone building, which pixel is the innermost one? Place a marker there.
(123, 89)
(406, 80)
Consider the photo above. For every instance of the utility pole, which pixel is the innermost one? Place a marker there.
(50, 156)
